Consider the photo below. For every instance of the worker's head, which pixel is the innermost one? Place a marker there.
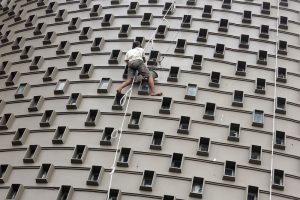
(136, 44)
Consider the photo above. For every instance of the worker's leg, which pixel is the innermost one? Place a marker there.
(144, 71)
(130, 75)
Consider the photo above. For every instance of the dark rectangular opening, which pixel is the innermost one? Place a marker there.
(176, 162)
(79, 154)
(234, 132)
(50, 73)
(147, 180)
(255, 154)
(47, 118)
(262, 57)
(36, 62)
(153, 58)
(114, 56)
(186, 21)
(6, 121)
(107, 136)
(14, 191)
(4, 169)
(184, 125)
(39, 29)
(180, 46)
(20, 136)
(279, 142)
(144, 88)
(202, 35)
(229, 171)
(106, 20)
(252, 192)
(264, 31)
(96, 10)
(168, 8)
(74, 101)
(278, 178)
(60, 86)
(22, 90)
(238, 97)
(114, 194)
(247, 16)
(147, 18)
(86, 71)
(85, 33)
(197, 187)
(156, 142)
(260, 85)
(5, 67)
(209, 112)
(94, 175)
(97, 44)
(283, 20)
(35, 103)
(166, 105)
(74, 58)
(65, 192)
(203, 146)
(282, 47)
(60, 135)
(134, 119)
(280, 105)
(31, 154)
(133, 5)
(173, 74)
(244, 41)
(43, 174)
(197, 62)
(266, 6)
(215, 79)
(124, 157)
(124, 30)
(207, 11)
(92, 117)
(223, 25)
(161, 31)
(168, 197)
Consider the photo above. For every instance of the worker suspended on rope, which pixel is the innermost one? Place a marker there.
(135, 59)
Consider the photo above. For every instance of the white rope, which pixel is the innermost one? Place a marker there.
(274, 105)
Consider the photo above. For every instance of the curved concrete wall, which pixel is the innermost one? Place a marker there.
(215, 127)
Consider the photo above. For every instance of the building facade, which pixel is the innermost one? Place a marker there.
(226, 127)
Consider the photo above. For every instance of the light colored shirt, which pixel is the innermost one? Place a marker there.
(135, 54)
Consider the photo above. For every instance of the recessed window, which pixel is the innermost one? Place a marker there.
(265, 8)
(229, 171)
(6, 121)
(207, 11)
(191, 92)
(36, 63)
(124, 30)
(65, 192)
(280, 105)
(203, 146)
(166, 105)
(147, 180)
(186, 21)
(42, 2)
(61, 15)
(31, 20)
(49, 38)
(18, 43)
(154, 57)
(209, 111)
(174, 74)
(281, 75)
(262, 57)
(7, 36)
(92, 117)
(27, 52)
(115, 56)
(223, 25)
(258, 118)
(114, 194)
(226, 4)
(219, 50)
(255, 154)
(214, 79)
(63, 47)
(86, 71)
(157, 139)
(35, 103)
(244, 41)
(96, 10)
(147, 19)
(133, 7)
(260, 86)
(95, 175)
(161, 31)
(97, 44)
(5, 67)
(50, 74)
(84, 3)
(278, 179)
(180, 46)
(202, 35)
(284, 3)
(104, 85)
(47, 118)
(79, 154)
(241, 68)
(107, 20)
(31, 154)
(234, 132)
(135, 120)
(20, 136)
(12, 78)
(51, 8)
(144, 88)
(45, 173)
(15, 191)
(197, 62)
(141, 40)
(176, 162)
(61, 86)
(114, 2)
(197, 187)
(247, 17)
(169, 8)
(282, 47)
(280, 140)
(74, 23)
(184, 125)
(124, 157)
(5, 171)
(22, 90)
(60, 135)
(40, 28)
(74, 58)
(252, 192)
(238, 98)
(283, 22)
(264, 31)
(190, 3)
(119, 102)
(85, 33)
(107, 136)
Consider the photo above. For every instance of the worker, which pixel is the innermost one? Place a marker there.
(135, 59)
